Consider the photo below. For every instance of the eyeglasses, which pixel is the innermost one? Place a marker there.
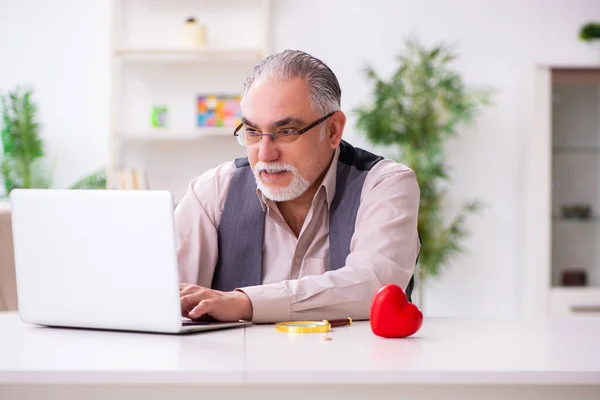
(248, 136)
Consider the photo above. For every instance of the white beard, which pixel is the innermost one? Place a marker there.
(295, 189)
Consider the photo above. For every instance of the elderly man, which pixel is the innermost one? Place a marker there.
(306, 226)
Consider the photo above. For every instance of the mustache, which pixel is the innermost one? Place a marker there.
(273, 168)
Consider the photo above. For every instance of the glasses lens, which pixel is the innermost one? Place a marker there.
(286, 136)
(250, 136)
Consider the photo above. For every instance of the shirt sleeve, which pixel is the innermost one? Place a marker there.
(196, 223)
(383, 250)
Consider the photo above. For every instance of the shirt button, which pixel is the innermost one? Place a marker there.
(298, 260)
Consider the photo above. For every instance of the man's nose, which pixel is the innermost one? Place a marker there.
(267, 150)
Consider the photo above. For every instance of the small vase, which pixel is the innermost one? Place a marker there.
(194, 34)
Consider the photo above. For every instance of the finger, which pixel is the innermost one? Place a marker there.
(193, 289)
(204, 307)
(195, 296)
(183, 286)
(189, 301)
(190, 289)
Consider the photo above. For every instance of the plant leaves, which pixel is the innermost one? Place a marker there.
(22, 148)
(414, 112)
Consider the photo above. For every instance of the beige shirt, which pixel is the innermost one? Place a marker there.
(296, 281)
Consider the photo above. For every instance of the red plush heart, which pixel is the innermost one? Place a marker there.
(392, 316)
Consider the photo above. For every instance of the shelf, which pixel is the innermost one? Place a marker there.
(576, 149)
(588, 74)
(577, 290)
(593, 219)
(185, 54)
(572, 301)
(167, 134)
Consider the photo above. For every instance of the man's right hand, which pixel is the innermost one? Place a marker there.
(198, 301)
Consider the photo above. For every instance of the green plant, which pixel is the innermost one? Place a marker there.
(95, 180)
(414, 113)
(589, 32)
(22, 156)
(22, 148)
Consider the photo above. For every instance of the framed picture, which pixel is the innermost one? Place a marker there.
(219, 111)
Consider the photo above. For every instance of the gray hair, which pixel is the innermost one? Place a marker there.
(323, 86)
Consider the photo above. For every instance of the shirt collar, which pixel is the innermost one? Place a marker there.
(329, 180)
(328, 184)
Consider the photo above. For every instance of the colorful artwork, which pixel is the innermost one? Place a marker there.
(219, 111)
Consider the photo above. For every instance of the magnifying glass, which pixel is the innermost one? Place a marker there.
(311, 326)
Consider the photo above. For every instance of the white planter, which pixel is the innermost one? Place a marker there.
(593, 51)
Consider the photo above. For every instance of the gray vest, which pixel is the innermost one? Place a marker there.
(241, 228)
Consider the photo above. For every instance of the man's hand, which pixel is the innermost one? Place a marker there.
(197, 301)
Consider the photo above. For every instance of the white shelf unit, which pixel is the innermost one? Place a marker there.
(562, 168)
(166, 134)
(184, 54)
(151, 67)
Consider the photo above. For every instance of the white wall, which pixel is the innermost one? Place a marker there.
(61, 47)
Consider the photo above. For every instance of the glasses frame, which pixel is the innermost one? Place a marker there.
(300, 132)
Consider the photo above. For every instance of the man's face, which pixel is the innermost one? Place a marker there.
(285, 171)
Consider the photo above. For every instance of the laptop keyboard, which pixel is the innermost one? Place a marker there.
(188, 323)
(204, 321)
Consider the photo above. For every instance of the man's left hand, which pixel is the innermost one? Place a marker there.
(197, 301)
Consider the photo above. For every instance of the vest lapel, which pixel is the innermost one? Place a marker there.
(240, 233)
(352, 168)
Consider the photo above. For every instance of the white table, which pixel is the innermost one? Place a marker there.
(448, 358)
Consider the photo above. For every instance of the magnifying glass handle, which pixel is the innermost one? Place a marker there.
(340, 322)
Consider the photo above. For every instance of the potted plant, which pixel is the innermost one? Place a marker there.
(22, 157)
(590, 32)
(422, 105)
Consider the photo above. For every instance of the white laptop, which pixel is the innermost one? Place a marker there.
(100, 259)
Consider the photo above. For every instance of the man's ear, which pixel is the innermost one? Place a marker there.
(335, 129)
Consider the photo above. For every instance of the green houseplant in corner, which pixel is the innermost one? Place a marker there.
(413, 113)
(589, 32)
(22, 156)
(22, 161)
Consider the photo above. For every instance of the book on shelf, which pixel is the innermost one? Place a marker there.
(132, 179)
